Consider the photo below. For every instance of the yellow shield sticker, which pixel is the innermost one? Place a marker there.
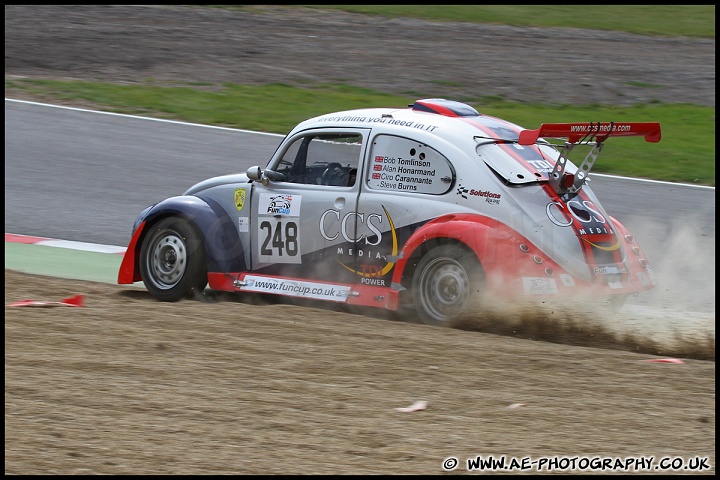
(239, 198)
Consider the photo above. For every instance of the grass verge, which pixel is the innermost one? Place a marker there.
(686, 153)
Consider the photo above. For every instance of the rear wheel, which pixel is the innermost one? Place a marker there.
(172, 260)
(446, 283)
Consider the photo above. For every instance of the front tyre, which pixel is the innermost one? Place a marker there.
(445, 284)
(172, 260)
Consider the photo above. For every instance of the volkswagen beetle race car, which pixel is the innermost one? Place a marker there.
(428, 209)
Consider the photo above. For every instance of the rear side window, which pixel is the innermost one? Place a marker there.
(403, 165)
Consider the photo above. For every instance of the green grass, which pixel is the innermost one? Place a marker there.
(658, 20)
(685, 154)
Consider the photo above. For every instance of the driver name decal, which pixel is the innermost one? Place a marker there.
(404, 165)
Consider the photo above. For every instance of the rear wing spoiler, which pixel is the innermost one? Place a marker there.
(593, 134)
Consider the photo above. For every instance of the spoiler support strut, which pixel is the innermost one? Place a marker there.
(592, 134)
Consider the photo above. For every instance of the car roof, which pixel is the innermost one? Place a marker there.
(447, 119)
(459, 126)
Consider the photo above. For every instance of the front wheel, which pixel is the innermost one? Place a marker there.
(172, 260)
(446, 283)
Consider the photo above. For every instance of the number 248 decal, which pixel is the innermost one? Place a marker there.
(279, 240)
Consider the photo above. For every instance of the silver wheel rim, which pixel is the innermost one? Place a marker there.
(167, 259)
(444, 288)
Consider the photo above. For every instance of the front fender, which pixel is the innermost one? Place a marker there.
(223, 249)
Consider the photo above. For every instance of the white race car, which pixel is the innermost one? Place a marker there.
(429, 209)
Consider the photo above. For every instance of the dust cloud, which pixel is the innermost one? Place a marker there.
(676, 318)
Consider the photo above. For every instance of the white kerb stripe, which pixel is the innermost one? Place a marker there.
(88, 247)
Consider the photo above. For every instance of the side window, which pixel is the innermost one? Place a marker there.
(404, 165)
(322, 159)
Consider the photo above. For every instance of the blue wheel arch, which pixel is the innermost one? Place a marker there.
(222, 244)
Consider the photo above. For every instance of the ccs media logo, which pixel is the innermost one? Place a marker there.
(389, 265)
(239, 198)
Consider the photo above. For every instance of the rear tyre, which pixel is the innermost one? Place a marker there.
(172, 260)
(446, 284)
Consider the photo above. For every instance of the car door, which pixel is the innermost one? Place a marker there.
(403, 181)
(307, 216)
